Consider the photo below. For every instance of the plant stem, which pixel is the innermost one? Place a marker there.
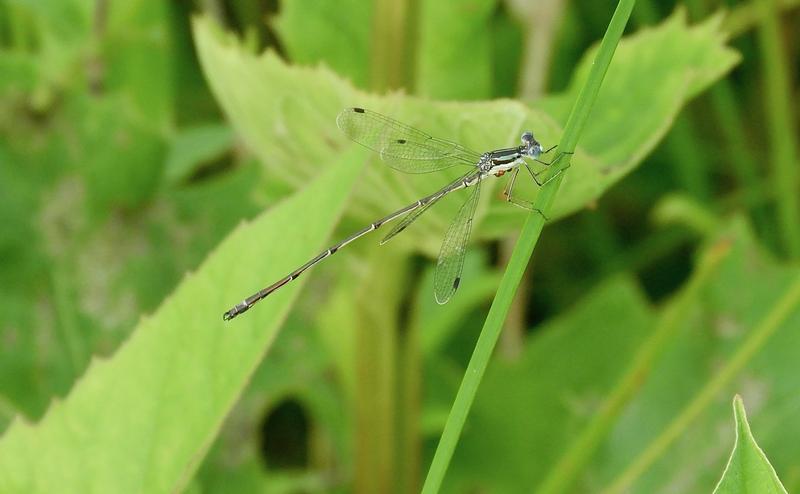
(409, 372)
(739, 153)
(688, 158)
(522, 253)
(540, 21)
(744, 16)
(389, 43)
(376, 379)
(754, 342)
(782, 132)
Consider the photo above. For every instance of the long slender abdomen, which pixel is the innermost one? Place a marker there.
(245, 305)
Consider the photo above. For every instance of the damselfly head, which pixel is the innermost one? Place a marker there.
(530, 145)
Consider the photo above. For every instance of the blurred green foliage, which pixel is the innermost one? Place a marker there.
(134, 138)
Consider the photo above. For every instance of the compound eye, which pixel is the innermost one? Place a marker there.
(527, 137)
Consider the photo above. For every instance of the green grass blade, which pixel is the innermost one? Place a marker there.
(522, 252)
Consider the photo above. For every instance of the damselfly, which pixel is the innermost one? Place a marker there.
(410, 150)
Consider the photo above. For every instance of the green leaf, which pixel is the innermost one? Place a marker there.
(659, 69)
(731, 339)
(528, 413)
(286, 114)
(307, 381)
(748, 470)
(142, 420)
(527, 409)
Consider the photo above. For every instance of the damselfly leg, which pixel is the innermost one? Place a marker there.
(509, 194)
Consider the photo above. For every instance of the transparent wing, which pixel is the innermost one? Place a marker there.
(400, 146)
(454, 247)
(409, 218)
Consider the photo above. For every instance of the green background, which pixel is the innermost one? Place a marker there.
(159, 161)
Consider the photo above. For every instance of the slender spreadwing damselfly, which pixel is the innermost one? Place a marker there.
(410, 150)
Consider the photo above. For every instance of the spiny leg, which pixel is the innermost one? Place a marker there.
(547, 163)
(554, 160)
(547, 151)
(535, 175)
(508, 193)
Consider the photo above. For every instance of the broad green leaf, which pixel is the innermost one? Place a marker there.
(233, 463)
(527, 409)
(748, 470)
(529, 412)
(743, 290)
(348, 363)
(286, 114)
(303, 103)
(658, 69)
(142, 420)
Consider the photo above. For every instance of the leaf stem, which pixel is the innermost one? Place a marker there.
(522, 253)
(389, 44)
(540, 21)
